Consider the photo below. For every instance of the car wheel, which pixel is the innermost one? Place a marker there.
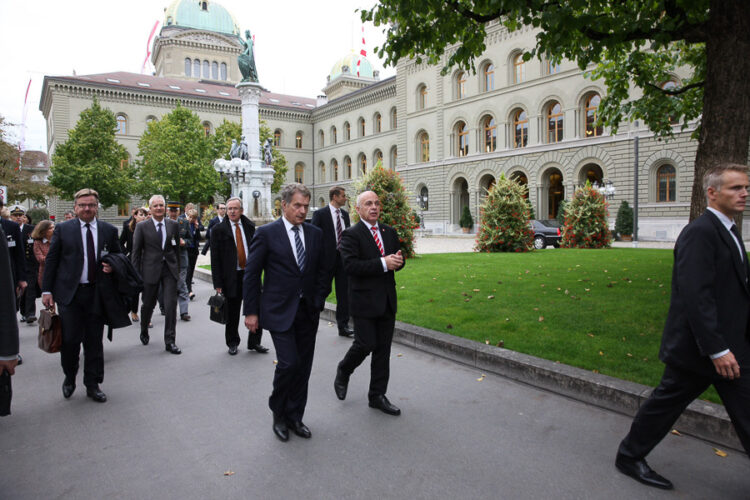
(539, 242)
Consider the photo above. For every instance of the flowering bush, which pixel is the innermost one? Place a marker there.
(504, 219)
(396, 211)
(586, 220)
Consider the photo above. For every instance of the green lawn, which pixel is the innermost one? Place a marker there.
(601, 310)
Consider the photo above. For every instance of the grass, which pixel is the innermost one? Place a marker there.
(600, 310)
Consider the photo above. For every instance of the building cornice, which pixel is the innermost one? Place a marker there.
(356, 100)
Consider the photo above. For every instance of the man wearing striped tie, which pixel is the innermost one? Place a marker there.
(371, 253)
(289, 254)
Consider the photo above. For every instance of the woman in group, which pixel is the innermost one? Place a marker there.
(42, 234)
(126, 241)
(192, 248)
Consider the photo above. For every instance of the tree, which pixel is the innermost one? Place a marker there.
(221, 143)
(637, 42)
(586, 220)
(504, 219)
(92, 158)
(177, 159)
(16, 179)
(624, 220)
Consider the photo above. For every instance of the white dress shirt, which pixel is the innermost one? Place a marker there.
(244, 240)
(288, 225)
(380, 235)
(163, 230)
(85, 272)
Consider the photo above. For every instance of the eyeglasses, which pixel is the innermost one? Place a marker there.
(87, 205)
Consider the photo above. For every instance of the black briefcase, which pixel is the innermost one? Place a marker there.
(218, 309)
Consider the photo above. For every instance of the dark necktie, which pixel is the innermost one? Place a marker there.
(736, 234)
(160, 235)
(90, 254)
(241, 257)
(338, 228)
(300, 249)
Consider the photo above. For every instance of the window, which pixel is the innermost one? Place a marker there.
(322, 168)
(347, 131)
(519, 68)
(299, 173)
(490, 134)
(122, 125)
(223, 71)
(321, 139)
(298, 140)
(521, 129)
(665, 184)
(207, 128)
(196, 68)
(362, 164)
(460, 83)
(123, 209)
(149, 119)
(215, 70)
(377, 123)
(361, 127)
(554, 122)
(424, 147)
(670, 85)
(551, 67)
(378, 157)
(348, 167)
(334, 137)
(277, 138)
(462, 138)
(206, 69)
(394, 157)
(591, 108)
(488, 76)
(188, 66)
(204, 5)
(394, 119)
(421, 96)
(335, 170)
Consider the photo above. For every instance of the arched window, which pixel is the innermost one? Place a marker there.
(334, 136)
(462, 138)
(214, 70)
(394, 157)
(122, 125)
(378, 157)
(347, 167)
(299, 173)
(591, 109)
(377, 123)
(277, 138)
(520, 129)
(347, 131)
(321, 138)
(207, 128)
(666, 183)
(196, 68)
(394, 119)
(361, 127)
(149, 119)
(223, 71)
(335, 170)
(206, 69)
(298, 140)
(460, 85)
(421, 96)
(490, 134)
(424, 201)
(519, 68)
(362, 164)
(554, 122)
(424, 147)
(188, 66)
(322, 169)
(488, 77)
(670, 85)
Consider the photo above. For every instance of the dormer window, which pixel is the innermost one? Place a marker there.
(204, 6)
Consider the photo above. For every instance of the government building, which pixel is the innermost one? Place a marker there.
(449, 137)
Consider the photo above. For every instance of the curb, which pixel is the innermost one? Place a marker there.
(701, 419)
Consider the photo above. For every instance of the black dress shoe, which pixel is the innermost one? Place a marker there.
(30, 319)
(258, 348)
(144, 337)
(346, 332)
(280, 428)
(639, 470)
(172, 348)
(381, 403)
(185, 317)
(68, 387)
(299, 429)
(340, 384)
(96, 394)
(232, 350)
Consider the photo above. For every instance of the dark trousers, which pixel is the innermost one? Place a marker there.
(134, 303)
(677, 389)
(192, 259)
(81, 326)
(372, 335)
(342, 293)
(27, 303)
(150, 291)
(294, 352)
(234, 307)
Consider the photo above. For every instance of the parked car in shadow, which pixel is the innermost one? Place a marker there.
(546, 232)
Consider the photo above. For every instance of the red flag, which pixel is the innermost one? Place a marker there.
(362, 52)
(148, 46)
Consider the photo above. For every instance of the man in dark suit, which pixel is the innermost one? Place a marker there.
(16, 249)
(705, 339)
(221, 210)
(155, 255)
(371, 253)
(230, 245)
(333, 220)
(289, 254)
(70, 270)
(27, 302)
(8, 322)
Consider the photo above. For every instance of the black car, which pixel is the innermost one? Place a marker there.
(546, 232)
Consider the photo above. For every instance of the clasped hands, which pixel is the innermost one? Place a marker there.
(394, 261)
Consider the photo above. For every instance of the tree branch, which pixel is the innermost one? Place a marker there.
(679, 91)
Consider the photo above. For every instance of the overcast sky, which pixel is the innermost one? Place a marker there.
(296, 44)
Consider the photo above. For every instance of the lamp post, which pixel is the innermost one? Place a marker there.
(422, 202)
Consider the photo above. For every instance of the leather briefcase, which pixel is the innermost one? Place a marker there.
(50, 331)
(218, 309)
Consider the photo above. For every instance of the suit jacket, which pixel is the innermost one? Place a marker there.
(710, 304)
(370, 289)
(16, 248)
(284, 286)
(325, 221)
(8, 318)
(148, 256)
(211, 225)
(64, 263)
(224, 254)
(28, 247)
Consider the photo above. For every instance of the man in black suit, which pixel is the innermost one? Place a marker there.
(289, 254)
(27, 301)
(8, 322)
(705, 339)
(333, 220)
(221, 210)
(155, 256)
(16, 249)
(371, 253)
(70, 270)
(231, 240)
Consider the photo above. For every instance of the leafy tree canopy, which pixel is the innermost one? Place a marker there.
(16, 179)
(92, 158)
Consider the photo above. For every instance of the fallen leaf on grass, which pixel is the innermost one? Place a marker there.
(477, 290)
(486, 341)
(676, 432)
(590, 335)
(500, 343)
(490, 297)
(467, 299)
(449, 326)
(720, 453)
(229, 473)
(541, 318)
(629, 355)
(601, 353)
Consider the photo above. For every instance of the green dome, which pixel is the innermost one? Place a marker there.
(365, 68)
(202, 15)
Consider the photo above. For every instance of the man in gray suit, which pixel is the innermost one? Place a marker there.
(155, 255)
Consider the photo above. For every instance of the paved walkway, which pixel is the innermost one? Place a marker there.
(197, 426)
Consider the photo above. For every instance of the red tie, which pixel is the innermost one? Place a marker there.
(374, 230)
(241, 258)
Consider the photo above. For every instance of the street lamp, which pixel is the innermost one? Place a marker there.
(422, 202)
(607, 189)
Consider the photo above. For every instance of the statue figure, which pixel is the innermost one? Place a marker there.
(246, 60)
(243, 153)
(267, 152)
(234, 151)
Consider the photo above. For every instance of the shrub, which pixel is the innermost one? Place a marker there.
(504, 219)
(624, 220)
(586, 220)
(396, 211)
(561, 212)
(466, 220)
(37, 214)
